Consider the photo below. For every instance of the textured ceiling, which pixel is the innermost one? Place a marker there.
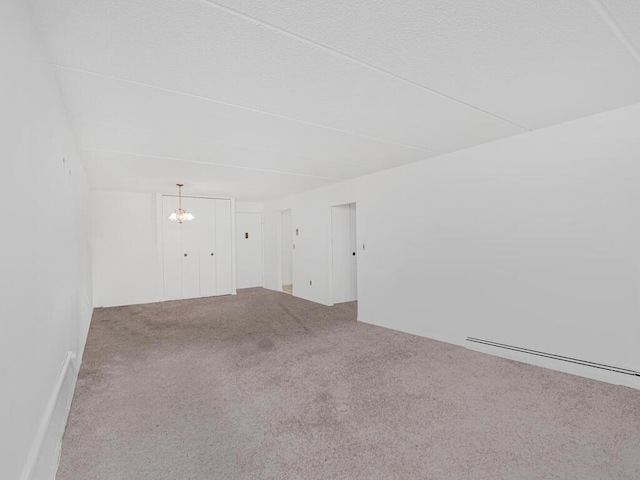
(262, 99)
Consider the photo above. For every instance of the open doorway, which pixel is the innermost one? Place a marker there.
(344, 249)
(287, 252)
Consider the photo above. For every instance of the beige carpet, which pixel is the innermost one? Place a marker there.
(267, 386)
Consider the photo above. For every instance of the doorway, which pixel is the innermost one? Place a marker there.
(249, 264)
(287, 252)
(344, 249)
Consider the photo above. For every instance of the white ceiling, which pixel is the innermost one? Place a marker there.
(259, 100)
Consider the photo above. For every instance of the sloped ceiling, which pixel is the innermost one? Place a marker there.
(258, 100)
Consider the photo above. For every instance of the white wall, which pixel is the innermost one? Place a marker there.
(127, 247)
(45, 274)
(531, 241)
(127, 268)
(311, 215)
(249, 250)
(249, 207)
(249, 270)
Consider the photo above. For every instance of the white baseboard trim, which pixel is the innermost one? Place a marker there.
(558, 365)
(55, 460)
(552, 364)
(33, 460)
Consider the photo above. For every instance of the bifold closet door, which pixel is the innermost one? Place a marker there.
(198, 253)
(224, 249)
(206, 234)
(189, 249)
(198, 244)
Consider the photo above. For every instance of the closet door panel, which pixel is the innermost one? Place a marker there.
(191, 249)
(197, 255)
(171, 251)
(224, 266)
(207, 233)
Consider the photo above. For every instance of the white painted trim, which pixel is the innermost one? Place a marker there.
(41, 433)
(558, 365)
(53, 472)
(262, 234)
(552, 364)
(279, 257)
(330, 243)
(234, 274)
(281, 249)
(295, 232)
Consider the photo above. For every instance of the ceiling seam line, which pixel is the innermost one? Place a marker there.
(186, 160)
(282, 31)
(242, 107)
(617, 30)
(373, 169)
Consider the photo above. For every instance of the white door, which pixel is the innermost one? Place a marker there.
(191, 232)
(249, 250)
(198, 253)
(224, 248)
(204, 213)
(343, 248)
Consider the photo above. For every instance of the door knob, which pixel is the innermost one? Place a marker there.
(212, 254)
(353, 253)
(185, 254)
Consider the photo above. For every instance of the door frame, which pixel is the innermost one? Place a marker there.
(281, 250)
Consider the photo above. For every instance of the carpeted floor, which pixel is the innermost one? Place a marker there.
(267, 386)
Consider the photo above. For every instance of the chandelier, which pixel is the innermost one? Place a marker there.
(180, 215)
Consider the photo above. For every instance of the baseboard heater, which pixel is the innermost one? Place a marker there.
(585, 363)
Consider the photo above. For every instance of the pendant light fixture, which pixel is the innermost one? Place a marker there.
(180, 215)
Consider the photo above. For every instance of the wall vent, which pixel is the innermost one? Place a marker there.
(585, 363)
